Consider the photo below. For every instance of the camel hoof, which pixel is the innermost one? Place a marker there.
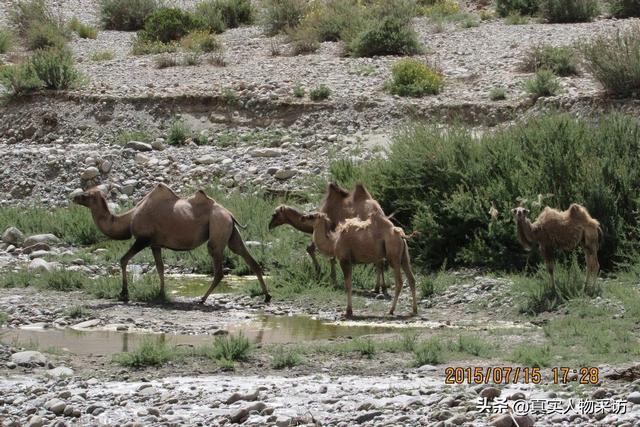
(202, 301)
(267, 299)
(124, 297)
(391, 312)
(349, 314)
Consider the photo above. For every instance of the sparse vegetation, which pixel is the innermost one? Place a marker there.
(505, 8)
(132, 135)
(200, 41)
(103, 55)
(142, 46)
(624, 8)
(4, 318)
(168, 24)
(516, 19)
(285, 358)
(19, 79)
(166, 61)
(233, 348)
(470, 344)
(365, 346)
(77, 311)
(126, 15)
(614, 60)
(532, 355)
(45, 35)
(55, 69)
(6, 41)
(389, 36)
(319, 93)
(498, 94)
(219, 15)
(563, 11)
(151, 352)
(179, 132)
(428, 352)
(281, 15)
(543, 83)
(83, 31)
(411, 77)
(298, 91)
(559, 60)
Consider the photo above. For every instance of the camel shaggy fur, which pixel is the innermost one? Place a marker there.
(370, 241)
(338, 204)
(556, 230)
(163, 220)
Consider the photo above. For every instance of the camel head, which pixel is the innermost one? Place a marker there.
(278, 218)
(520, 213)
(90, 198)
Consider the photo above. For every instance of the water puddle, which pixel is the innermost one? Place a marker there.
(264, 329)
(195, 285)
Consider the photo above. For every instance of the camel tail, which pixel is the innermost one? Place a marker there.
(235, 221)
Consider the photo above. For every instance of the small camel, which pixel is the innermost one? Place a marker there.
(355, 241)
(339, 205)
(556, 230)
(163, 220)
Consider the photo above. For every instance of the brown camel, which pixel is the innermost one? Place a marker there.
(355, 241)
(339, 205)
(554, 230)
(163, 220)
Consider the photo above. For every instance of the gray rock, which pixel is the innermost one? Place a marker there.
(35, 421)
(41, 238)
(634, 397)
(87, 324)
(284, 174)
(157, 145)
(235, 397)
(89, 173)
(138, 146)
(266, 152)
(13, 236)
(39, 265)
(490, 393)
(56, 406)
(29, 358)
(11, 365)
(207, 159)
(360, 419)
(142, 159)
(60, 372)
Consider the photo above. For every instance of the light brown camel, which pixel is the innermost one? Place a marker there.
(339, 205)
(355, 241)
(163, 220)
(554, 230)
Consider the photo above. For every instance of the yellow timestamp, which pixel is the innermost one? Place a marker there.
(525, 375)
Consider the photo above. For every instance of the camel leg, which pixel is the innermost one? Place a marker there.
(237, 246)
(217, 254)
(311, 250)
(334, 281)
(398, 276)
(138, 245)
(157, 256)
(550, 268)
(346, 271)
(406, 266)
(380, 284)
(593, 266)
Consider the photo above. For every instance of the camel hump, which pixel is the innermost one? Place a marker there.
(360, 193)
(201, 195)
(162, 191)
(580, 213)
(334, 188)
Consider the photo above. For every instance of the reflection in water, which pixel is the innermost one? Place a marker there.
(265, 329)
(195, 285)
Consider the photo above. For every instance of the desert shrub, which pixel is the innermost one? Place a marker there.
(169, 24)
(285, 358)
(303, 40)
(143, 46)
(625, 8)
(516, 19)
(443, 183)
(441, 9)
(280, 15)
(45, 36)
(385, 37)
(19, 79)
(319, 93)
(522, 7)
(231, 348)
(560, 60)
(411, 77)
(543, 83)
(298, 91)
(55, 68)
(498, 94)
(428, 352)
(329, 20)
(200, 41)
(614, 60)
(126, 15)
(166, 61)
(561, 11)
(103, 55)
(26, 14)
(179, 132)
(6, 41)
(151, 352)
(83, 31)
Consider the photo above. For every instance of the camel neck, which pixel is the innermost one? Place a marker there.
(322, 238)
(294, 218)
(114, 226)
(525, 231)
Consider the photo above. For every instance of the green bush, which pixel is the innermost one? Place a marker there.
(126, 15)
(411, 77)
(443, 183)
(200, 41)
(285, 358)
(26, 14)
(103, 55)
(319, 93)
(303, 40)
(522, 7)
(169, 24)
(329, 20)
(614, 60)
(6, 41)
(544, 83)
(560, 60)
(179, 132)
(281, 15)
(625, 8)
(428, 352)
(83, 31)
(516, 19)
(55, 69)
(232, 12)
(532, 355)
(19, 79)
(562, 11)
(231, 348)
(45, 36)
(152, 352)
(165, 61)
(388, 36)
(498, 94)
(143, 46)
